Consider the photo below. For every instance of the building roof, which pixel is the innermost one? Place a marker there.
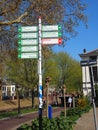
(90, 53)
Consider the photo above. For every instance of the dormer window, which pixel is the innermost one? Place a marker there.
(93, 57)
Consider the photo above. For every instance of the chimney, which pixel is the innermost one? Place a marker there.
(84, 50)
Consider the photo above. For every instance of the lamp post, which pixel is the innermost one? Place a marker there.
(18, 97)
(47, 80)
(64, 91)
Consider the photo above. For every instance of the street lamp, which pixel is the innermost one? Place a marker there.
(18, 97)
(64, 91)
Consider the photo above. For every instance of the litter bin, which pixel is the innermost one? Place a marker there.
(49, 111)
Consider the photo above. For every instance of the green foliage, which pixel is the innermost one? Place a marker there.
(25, 127)
(69, 72)
(82, 102)
(58, 123)
(77, 111)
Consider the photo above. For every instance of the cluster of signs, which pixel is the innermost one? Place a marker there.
(28, 39)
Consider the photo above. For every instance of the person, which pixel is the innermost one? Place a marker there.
(44, 103)
(69, 101)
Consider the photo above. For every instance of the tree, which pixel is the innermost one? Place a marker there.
(70, 72)
(69, 13)
(24, 73)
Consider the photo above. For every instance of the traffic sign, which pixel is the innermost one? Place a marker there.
(51, 27)
(28, 29)
(28, 35)
(51, 34)
(50, 41)
(28, 41)
(27, 48)
(28, 55)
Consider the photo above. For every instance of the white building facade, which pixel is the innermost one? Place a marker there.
(8, 91)
(89, 64)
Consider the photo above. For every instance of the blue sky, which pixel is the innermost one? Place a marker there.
(86, 38)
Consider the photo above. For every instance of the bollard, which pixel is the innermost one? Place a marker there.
(49, 112)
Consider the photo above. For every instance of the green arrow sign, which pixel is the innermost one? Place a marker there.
(51, 27)
(28, 35)
(51, 34)
(28, 29)
(28, 55)
(28, 48)
(28, 41)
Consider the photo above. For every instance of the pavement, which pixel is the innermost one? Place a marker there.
(15, 122)
(86, 122)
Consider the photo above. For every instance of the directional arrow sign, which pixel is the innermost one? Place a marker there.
(51, 34)
(52, 41)
(28, 35)
(51, 27)
(28, 48)
(28, 29)
(28, 55)
(28, 42)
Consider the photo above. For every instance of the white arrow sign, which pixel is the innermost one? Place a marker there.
(51, 34)
(28, 29)
(28, 35)
(28, 42)
(28, 48)
(51, 27)
(28, 55)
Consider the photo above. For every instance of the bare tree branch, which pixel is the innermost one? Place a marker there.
(10, 9)
(18, 20)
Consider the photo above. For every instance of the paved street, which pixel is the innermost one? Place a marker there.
(13, 123)
(86, 122)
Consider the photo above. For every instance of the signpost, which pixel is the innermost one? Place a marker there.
(30, 40)
(51, 34)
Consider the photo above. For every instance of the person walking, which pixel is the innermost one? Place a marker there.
(69, 102)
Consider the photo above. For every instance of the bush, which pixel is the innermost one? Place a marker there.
(57, 123)
(82, 102)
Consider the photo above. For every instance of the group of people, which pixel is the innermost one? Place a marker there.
(56, 103)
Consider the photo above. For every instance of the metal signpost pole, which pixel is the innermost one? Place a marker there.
(89, 63)
(93, 98)
(40, 76)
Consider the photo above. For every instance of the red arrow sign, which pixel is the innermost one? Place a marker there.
(50, 41)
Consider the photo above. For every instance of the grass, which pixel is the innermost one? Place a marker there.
(13, 113)
(9, 108)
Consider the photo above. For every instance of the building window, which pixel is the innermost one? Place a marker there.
(93, 58)
(3, 88)
(95, 73)
(13, 89)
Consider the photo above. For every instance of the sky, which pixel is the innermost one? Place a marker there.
(86, 38)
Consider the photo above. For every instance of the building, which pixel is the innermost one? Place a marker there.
(89, 64)
(8, 91)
